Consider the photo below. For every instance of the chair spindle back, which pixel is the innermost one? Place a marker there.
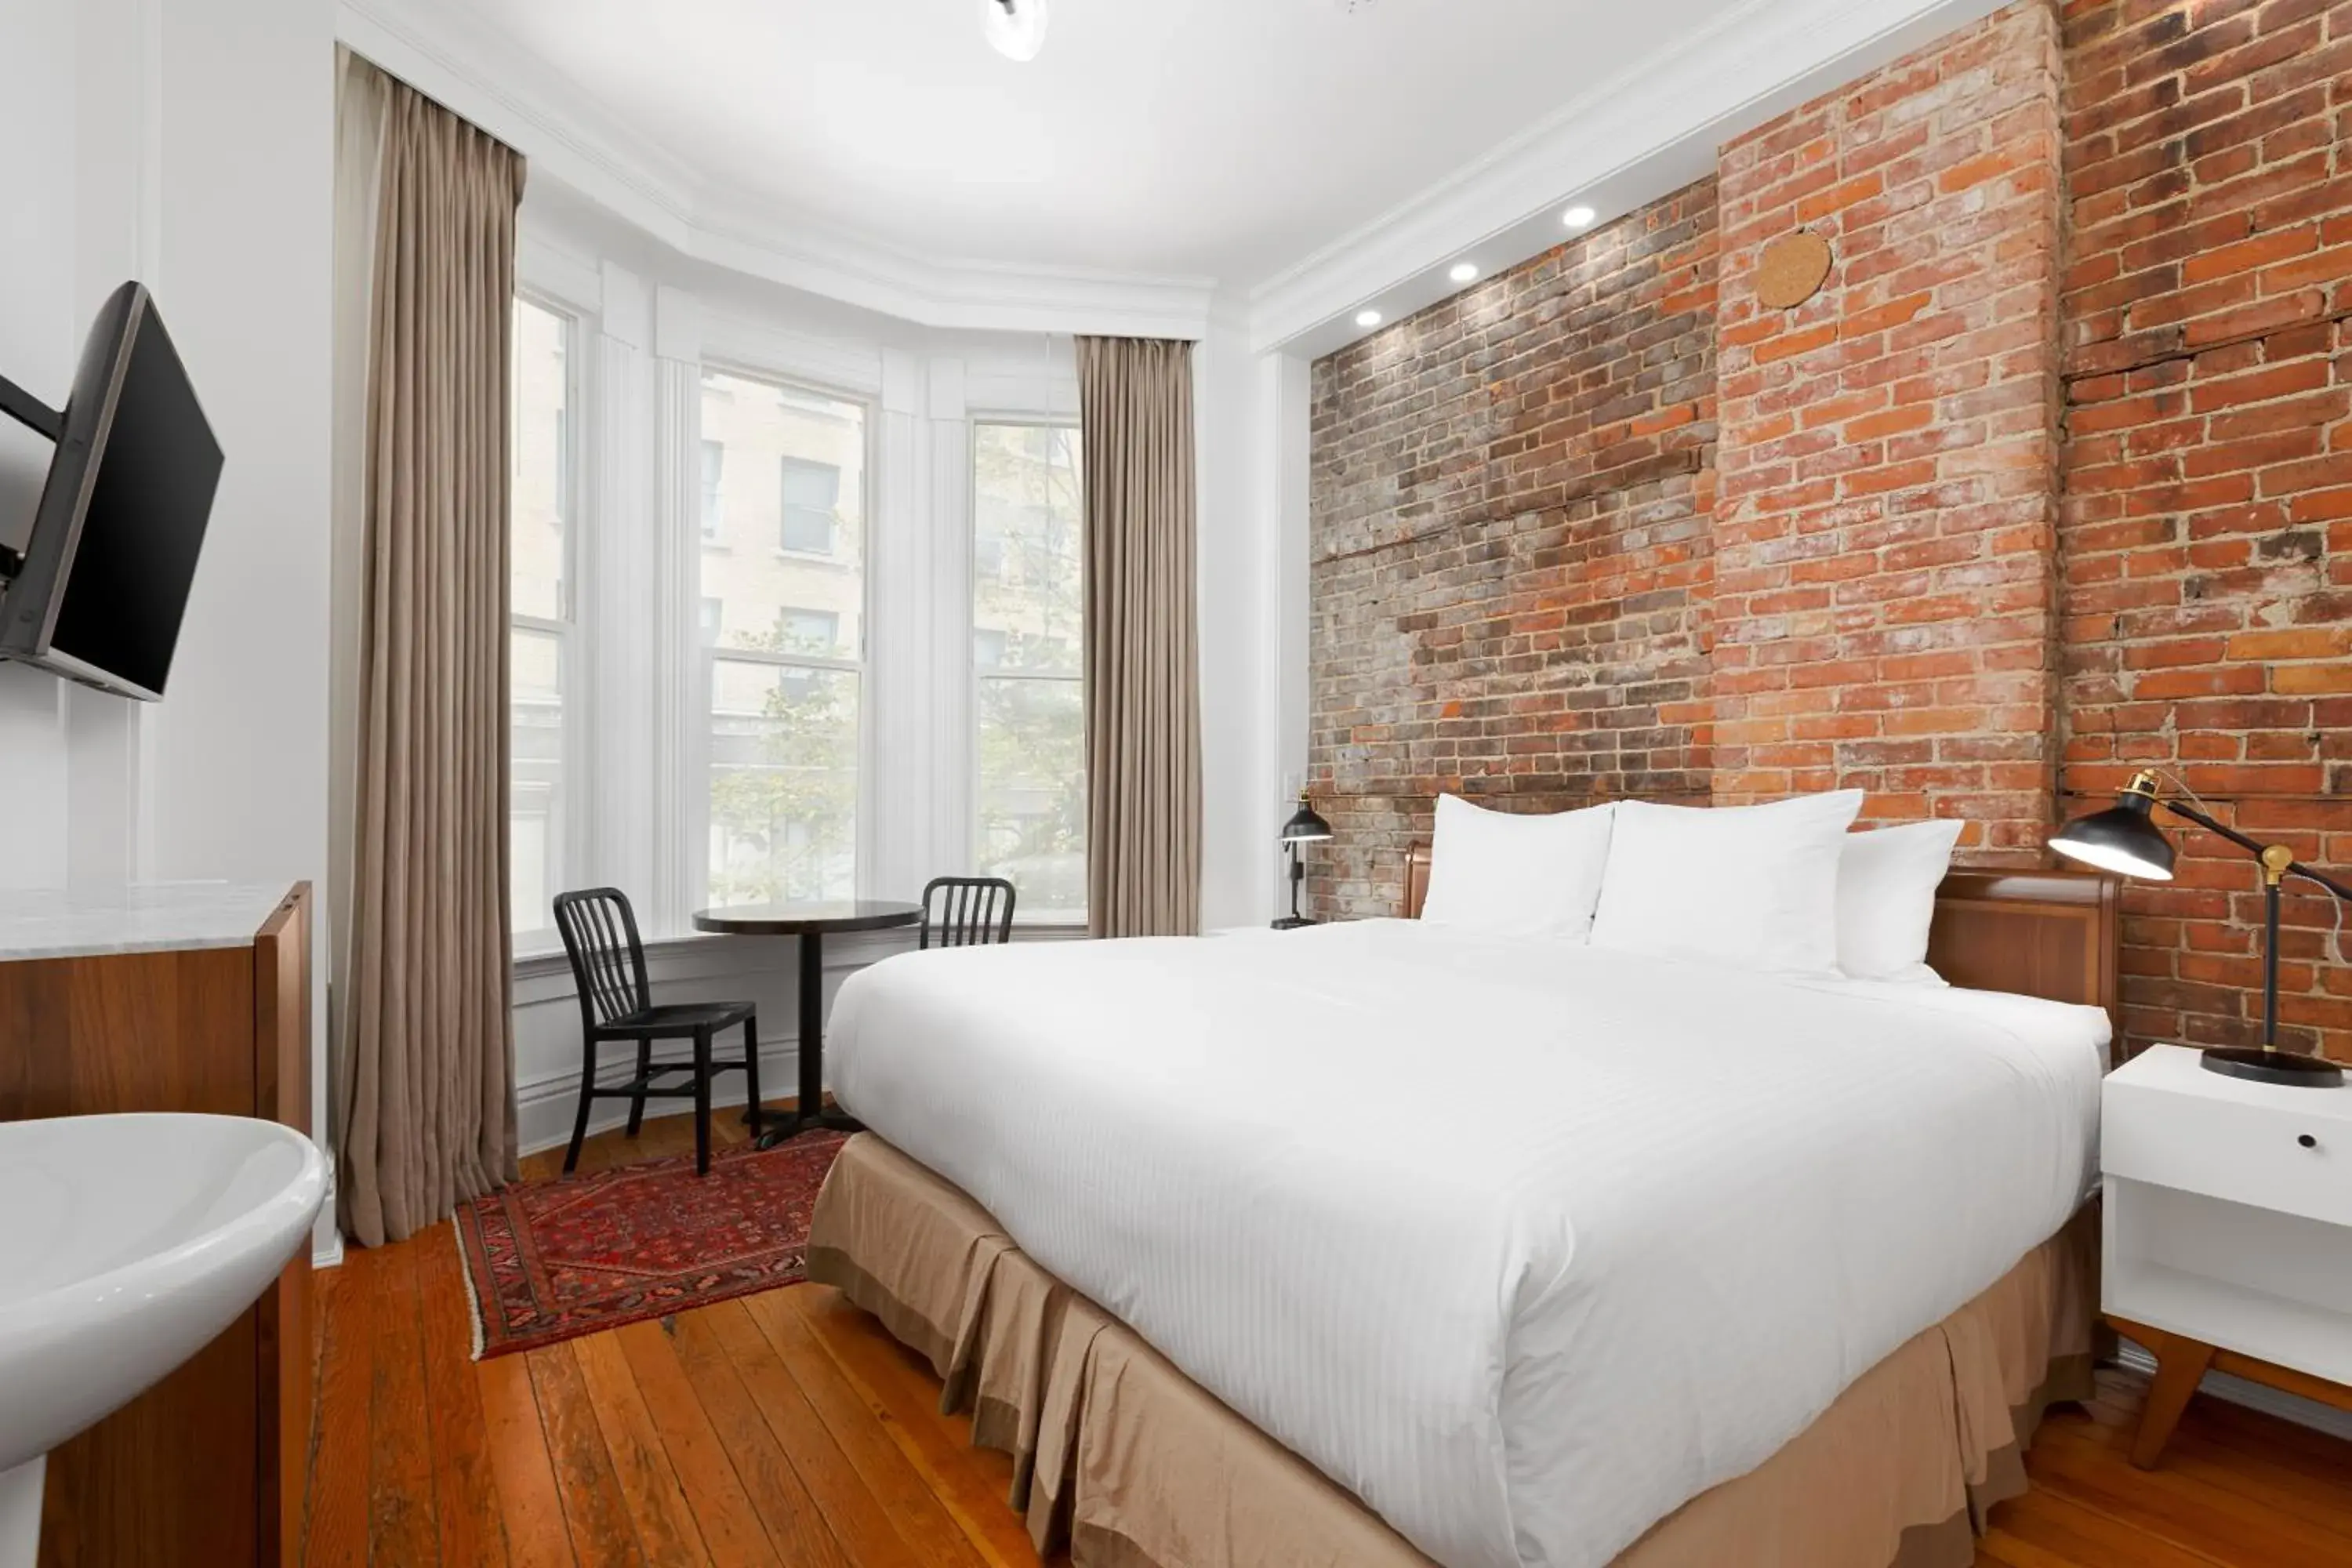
(967, 911)
(608, 961)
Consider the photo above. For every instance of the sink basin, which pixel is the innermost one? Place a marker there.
(126, 1244)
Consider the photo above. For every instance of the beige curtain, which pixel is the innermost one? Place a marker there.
(424, 1113)
(1142, 686)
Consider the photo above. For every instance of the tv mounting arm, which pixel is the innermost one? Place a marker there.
(29, 411)
(42, 420)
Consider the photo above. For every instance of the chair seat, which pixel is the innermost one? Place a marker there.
(676, 1018)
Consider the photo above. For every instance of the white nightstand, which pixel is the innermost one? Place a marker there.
(2228, 1232)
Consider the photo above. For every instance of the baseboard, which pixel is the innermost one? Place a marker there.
(2252, 1395)
(326, 1232)
(544, 1109)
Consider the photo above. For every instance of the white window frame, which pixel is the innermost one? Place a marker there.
(974, 675)
(571, 665)
(695, 847)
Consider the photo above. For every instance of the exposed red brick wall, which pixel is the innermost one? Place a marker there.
(2053, 480)
(1512, 498)
(1884, 605)
(2207, 531)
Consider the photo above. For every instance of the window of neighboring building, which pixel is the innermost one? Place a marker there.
(714, 502)
(812, 501)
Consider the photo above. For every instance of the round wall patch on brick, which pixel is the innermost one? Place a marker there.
(1792, 269)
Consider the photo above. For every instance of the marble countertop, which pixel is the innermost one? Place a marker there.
(152, 917)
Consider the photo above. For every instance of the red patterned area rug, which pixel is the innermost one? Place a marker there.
(552, 1260)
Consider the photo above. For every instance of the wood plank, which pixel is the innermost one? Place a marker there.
(531, 1505)
(857, 1518)
(2180, 1507)
(2083, 1536)
(465, 1486)
(794, 1524)
(922, 1521)
(594, 1513)
(335, 1519)
(731, 1528)
(402, 1504)
(665, 1519)
(906, 1397)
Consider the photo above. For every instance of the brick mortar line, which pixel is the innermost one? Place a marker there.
(2334, 318)
(1462, 525)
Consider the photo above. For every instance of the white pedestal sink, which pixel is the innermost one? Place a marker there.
(126, 1244)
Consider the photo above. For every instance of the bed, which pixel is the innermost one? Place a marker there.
(1381, 1243)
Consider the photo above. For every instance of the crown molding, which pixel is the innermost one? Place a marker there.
(1645, 132)
(560, 129)
(1650, 130)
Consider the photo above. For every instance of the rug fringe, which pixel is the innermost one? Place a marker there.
(465, 1273)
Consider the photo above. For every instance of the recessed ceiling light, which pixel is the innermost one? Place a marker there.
(1464, 272)
(1016, 28)
(1368, 318)
(1578, 216)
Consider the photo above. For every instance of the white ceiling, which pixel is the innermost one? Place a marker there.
(1228, 139)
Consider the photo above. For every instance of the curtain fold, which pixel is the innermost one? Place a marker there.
(425, 1109)
(1143, 669)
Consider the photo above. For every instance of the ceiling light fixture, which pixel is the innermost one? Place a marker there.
(1015, 28)
(1464, 272)
(1578, 216)
(1368, 318)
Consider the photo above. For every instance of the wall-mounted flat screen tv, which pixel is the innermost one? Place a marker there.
(112, 553)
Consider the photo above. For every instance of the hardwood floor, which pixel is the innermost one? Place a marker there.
(789, 1430)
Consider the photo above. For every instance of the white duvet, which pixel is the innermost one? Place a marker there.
(1524, 1243)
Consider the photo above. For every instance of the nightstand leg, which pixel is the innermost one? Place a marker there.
(2179, 1366)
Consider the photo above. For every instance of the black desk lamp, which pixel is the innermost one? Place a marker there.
(2125, 840)
(1304, 827)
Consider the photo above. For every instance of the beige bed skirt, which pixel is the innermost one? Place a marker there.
(1128, 1463)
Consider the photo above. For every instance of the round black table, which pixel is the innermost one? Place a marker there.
(811, 922)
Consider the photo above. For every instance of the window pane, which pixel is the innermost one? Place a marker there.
(812, 493)
(1032, 793)
(535, 790)
(1027, 612)
(1026, 573)
(784, 783)
(542, 458)
(792, 495)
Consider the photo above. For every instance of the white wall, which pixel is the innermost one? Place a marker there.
(189, 146)
(1240, 790)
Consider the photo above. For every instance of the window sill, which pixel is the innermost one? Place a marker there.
(541, 963)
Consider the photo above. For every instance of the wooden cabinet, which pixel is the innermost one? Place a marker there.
(206, 1469)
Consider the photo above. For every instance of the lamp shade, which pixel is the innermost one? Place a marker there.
(2123, 839)
(1305, 826)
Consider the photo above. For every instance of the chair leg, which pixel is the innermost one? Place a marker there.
(637, 1102)
(751, 1112)
(702, 1102)
(579, 1122)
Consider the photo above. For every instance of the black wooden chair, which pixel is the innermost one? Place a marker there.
(608, 966)
(969, 911)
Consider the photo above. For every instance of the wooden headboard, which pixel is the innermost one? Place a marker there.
(2039, 933)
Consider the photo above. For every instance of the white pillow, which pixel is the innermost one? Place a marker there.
(1754, 887)
(1512, 874)
(1887, 879)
